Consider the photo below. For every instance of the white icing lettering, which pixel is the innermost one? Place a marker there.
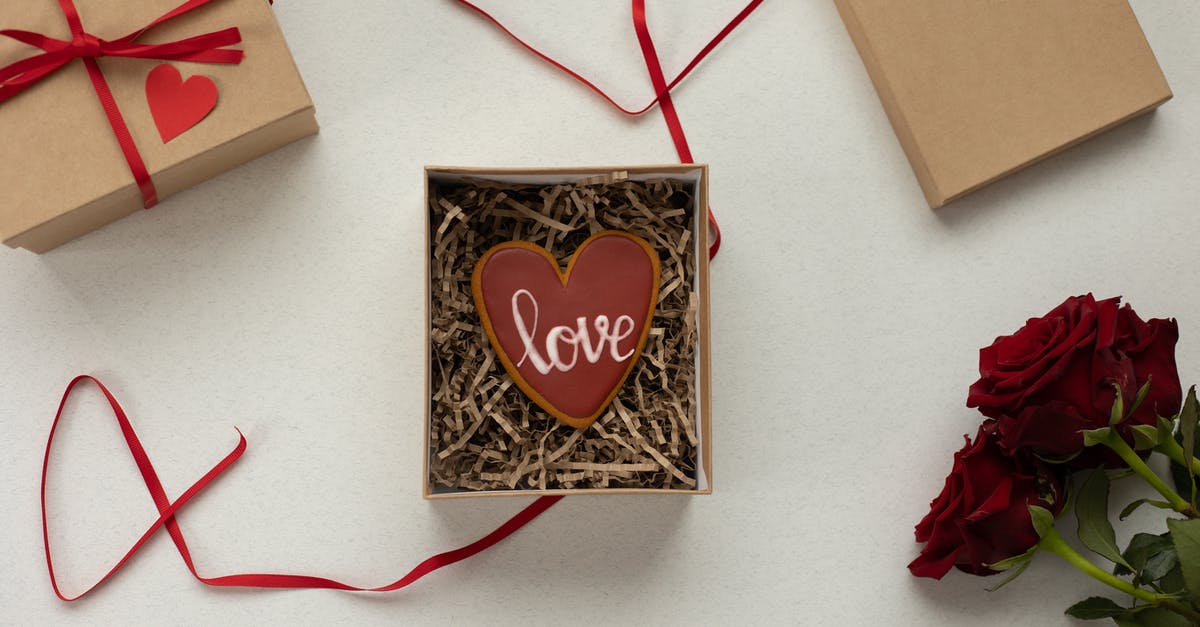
(579, 339)
(527, 333)
(559, 335)
(619, 335)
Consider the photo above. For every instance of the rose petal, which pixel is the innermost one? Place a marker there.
(933, 566)
(995, 503)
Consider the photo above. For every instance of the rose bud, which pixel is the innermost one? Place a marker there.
(982, 515)
(1058, 375)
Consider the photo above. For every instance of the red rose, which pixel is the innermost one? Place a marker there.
(1054, 377)
(982, 514)
(1143, 351)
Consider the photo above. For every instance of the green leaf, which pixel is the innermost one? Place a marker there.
(1152, 617)
(1141, 547)
(1172, 582)
(1158, 565)
(1166, 428)
(1152, 557)
(1188, 415)
(1014, 561)
(1140, 502)
(1141, 396)
(1091, 509)
(1181, 477)
(1118, 408)
(1094, 608)
(1144, 437)
(1043, 520)
(1186, 535)
(1013, 573)
(1092, 437)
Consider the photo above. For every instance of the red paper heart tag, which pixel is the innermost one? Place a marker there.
(177, 105)
(569, 339)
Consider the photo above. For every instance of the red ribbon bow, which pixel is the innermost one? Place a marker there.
(21, 75)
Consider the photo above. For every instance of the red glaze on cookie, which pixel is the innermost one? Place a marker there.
(569, 339)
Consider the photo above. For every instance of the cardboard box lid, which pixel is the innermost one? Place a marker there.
(977, 89)
(59, 150)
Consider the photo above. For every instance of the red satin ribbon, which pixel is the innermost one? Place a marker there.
(666, 104)
(56, 53)
(662, 89)
(167, 510)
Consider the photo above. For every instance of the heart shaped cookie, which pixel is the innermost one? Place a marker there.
(569, 339)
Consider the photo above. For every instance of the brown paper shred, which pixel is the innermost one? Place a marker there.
(658, 432)
(462, 440)
(489, 358)
(452, 212)
(544, 219)
(645, 210)
(515, 477)
(628, 419)
(484, 433)
(655, 354)
(599, 428)
(665, 293)
(604, 179)
(575, 435)
(606, 467)
(684, 238)
(498, 417)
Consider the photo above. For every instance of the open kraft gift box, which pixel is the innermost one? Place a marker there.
(484, 435)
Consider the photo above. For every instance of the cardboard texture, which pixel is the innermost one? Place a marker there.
(693, 172)
(58, 131)
(978, 89)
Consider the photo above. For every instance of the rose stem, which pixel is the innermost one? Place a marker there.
(1054, 543)
(1139, 467)
(1173, 450)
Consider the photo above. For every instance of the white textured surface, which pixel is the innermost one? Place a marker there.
(285, 298)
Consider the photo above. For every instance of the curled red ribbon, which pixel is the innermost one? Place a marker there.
(56, 53)
(662, 89)
(168, 508)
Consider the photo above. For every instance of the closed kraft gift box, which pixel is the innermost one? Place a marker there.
(66, 172)
(567, 331)
(978, 89)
